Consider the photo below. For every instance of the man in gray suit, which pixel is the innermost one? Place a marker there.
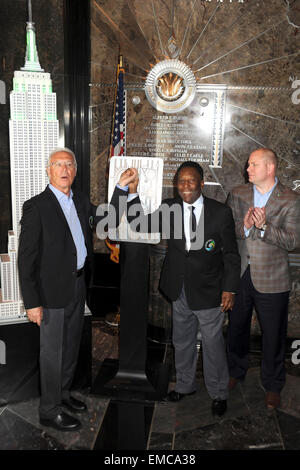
(267, 222)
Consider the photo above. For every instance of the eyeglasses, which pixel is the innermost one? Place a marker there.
(58, 164)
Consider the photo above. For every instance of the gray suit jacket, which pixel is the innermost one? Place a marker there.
(268, 255)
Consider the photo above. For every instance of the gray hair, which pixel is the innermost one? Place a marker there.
(63, 149)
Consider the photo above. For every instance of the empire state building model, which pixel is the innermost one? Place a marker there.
(33, 132)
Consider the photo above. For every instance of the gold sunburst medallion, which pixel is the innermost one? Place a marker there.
(170, 86)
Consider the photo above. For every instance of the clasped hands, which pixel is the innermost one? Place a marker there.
(130, 178)
(255, 216)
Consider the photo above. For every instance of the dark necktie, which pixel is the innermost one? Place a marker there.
(193, 224)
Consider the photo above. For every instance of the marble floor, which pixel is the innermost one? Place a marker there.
(118, 424)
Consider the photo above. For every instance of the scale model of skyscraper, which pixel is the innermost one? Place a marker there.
(33, 131)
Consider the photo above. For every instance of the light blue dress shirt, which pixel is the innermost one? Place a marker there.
(69, 210)
(260, 200)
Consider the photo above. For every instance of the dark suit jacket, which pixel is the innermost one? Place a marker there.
(204, 273)
(47, 257)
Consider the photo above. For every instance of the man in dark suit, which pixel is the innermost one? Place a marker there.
(200, 275)
(55, 244)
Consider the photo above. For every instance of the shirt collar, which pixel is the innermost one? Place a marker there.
(197, 203)
(59, 194)
(270, 191)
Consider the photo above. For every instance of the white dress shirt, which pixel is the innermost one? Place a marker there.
(198, 204)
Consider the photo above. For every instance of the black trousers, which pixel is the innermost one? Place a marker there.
(60, 335)
(272, 313)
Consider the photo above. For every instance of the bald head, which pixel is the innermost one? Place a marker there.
(262, 165)
(268, 155)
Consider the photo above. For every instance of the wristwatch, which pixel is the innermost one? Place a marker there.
(263, 228)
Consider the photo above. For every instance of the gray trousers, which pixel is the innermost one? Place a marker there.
(185, 328)
(60, 335)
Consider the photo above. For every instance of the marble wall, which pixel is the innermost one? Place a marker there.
(48, 19)
(250, 46)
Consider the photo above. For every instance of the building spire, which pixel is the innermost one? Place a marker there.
(32, 59)
(29, 11)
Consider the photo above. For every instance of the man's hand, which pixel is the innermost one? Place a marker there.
(132, 187)
(227, 301)
(129, 178)
(35, 314)
(259, 217)
(248, 219)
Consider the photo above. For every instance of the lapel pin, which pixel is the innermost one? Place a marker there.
(210, 245)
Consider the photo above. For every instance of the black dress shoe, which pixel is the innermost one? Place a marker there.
(177, 396)
(218, 407)
(74, 405)
(62, 422)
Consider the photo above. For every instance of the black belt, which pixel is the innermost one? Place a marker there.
(80, 272)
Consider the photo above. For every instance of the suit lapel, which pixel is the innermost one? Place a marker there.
(273, 199)
(79, 210)
(81, 215)
(207, 218)
(54, 202)
(249, 195)
(183, 239)
(202, 223)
